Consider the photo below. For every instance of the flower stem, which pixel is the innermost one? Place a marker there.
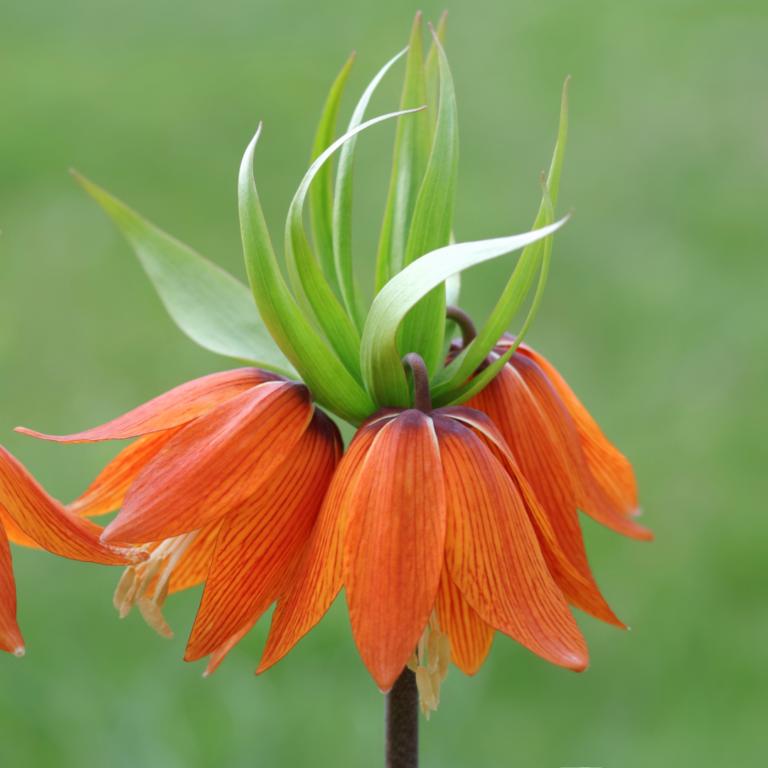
(422, 398)
(464, 321)
(403, 722)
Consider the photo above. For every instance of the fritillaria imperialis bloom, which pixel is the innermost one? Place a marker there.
(452, 514)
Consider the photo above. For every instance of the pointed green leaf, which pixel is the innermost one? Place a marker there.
(478, 382)
(305, 269)
(464, 365)
(329, 380)
(380, 358)
(321, 194)
(209, 305)
(432, 69)
(411, 153)
(424, 328)
(342, 202)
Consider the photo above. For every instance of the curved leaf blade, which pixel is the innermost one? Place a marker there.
(305, 269)
(209, 305)
(342, 201)
(331, 383)
(380, 358)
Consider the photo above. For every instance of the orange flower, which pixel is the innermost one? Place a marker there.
(568, 462)
(439, 541)
(30, 517)
(223, 485)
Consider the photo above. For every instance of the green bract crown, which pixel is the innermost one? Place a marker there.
(309, 320)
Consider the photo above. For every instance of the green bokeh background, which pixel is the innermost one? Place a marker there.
(655, 313)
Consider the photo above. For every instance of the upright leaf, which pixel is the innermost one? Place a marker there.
(321, 194)
(305, 269)
(412, 141)
(329, 380)
(424, 328)
(209, 305)
(380, 358)
(342, 202)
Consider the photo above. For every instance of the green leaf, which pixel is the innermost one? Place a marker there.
(213, 308)
(424, 328)
(411, 153)
(331, 383)
(342, 202)
(305, 270)
(380, 359)
(486, 375)
(521, 280)
(321, 194)
(432, 68)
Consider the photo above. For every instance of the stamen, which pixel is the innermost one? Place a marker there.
(140, 584)
(430, 663)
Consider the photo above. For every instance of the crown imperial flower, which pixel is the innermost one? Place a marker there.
(453, 512)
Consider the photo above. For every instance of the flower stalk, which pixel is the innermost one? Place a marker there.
(402, 736)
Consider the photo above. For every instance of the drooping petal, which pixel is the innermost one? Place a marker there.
(214, 464)
(609, 468)
(394, 544)
(538, 431)
(14, 533)
(221, 653)
(320, 574)
(258, 547)
(10, 635)
(591, 493)
(493, 554)
(195, 563)
(178, 406)
(470, 637)
(47, 522)
(107, 492)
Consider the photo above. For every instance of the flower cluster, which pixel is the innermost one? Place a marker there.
(452, 513)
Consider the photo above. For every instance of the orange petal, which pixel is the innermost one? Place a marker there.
(46, 521)
(493, 554)
(10, 635)
(107, 492)
(394, 543)
(171, 409)
(608, 467)
(14, 533)
(319, 576)
(542, 438)
(214, 464)
(195, 563)
(221, 653)
(470, 637)
(257, 548)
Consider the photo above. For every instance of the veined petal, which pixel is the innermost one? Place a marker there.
(221, 653)
(178, 406)
(47, 522)
(493, 554)
(14, 533)
(107, 492)
(257, 548)
(535, 427)
(470, 637)
(609, 468)
(195, 563)
(214, 464)
(10, 635)
(319, 576)
(394, 544)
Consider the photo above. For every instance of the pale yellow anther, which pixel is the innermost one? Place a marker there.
(146, 584)
(430, 664)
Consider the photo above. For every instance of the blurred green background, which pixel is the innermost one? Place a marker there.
(655, 313)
